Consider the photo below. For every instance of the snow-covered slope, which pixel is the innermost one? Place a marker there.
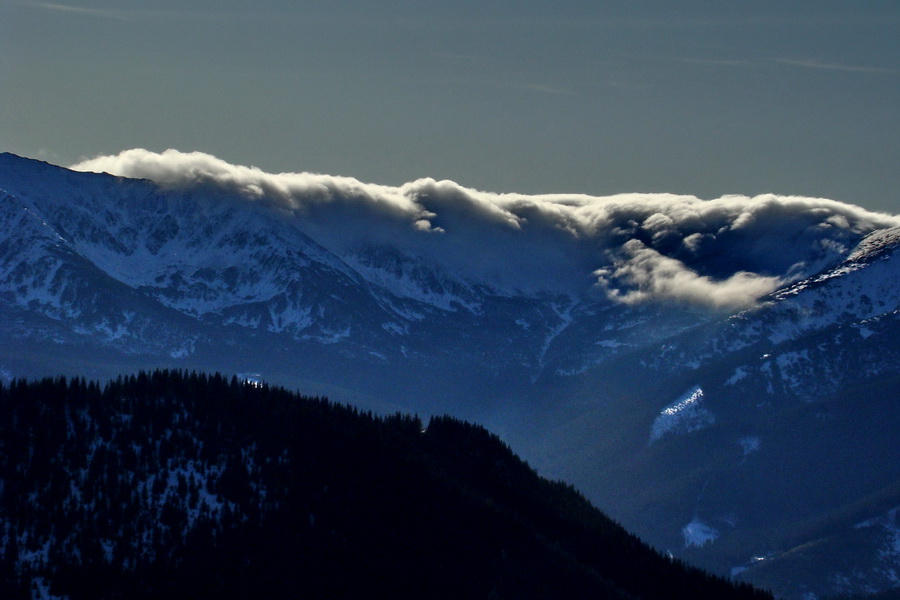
(811, 337)
(782, 445)
(127, 264)
(209, 259)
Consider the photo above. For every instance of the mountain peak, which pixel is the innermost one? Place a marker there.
(879, 243)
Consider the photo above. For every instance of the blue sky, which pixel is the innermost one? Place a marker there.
(708, 98)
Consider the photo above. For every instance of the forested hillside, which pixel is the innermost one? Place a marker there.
(171, 484)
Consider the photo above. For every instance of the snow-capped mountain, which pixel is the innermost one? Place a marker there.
(768, 450)
(212, 261)
(709, 372)
(808, 338)
(191, 275)
(93, 266)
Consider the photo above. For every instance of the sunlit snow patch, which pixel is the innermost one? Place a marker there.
(697, 533)
(682, 416)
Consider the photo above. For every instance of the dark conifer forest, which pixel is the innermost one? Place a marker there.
(185, 485)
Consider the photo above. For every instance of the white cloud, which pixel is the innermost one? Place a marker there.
(722, 253)
(640, 274)
(293, 191)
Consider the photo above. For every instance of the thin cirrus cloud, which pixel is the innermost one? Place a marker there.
(127, 14)
(831, 66)
(121, 15)
(721, 253)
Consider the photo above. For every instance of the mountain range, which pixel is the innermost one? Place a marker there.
(719, 376)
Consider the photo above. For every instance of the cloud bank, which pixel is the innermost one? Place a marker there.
(722, 253)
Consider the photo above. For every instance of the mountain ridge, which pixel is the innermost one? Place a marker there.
(171, 484)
